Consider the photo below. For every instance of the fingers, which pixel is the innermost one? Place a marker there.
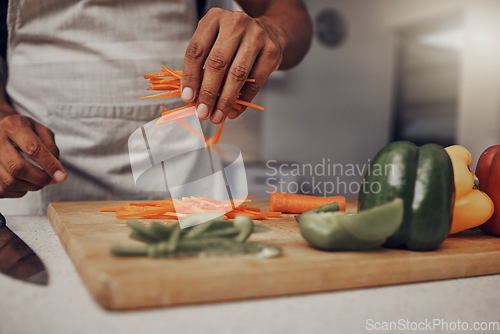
(267, 62)
(236, 77)
(18, 175)
(18, 168)
(194, 59)
(47, 138)
(227, 48)
(32, 145)
(216, 66)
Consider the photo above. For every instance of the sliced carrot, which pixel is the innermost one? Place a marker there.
(111, 208)
(162, 87)
(173, 73)
(248, 104)
(215, 138)
(173, 93)
(190, 128)
(175, 209)
(295, 203)
(165, 81)
(156, 75)
(167, 112)
(176, 115)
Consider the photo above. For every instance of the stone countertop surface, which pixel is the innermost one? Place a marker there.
(65, 306)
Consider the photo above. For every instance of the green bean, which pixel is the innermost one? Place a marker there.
(166, 247)
(142, 238)
(215, 237)
(228, 232)
(197, 230)
(142, 231)
(134, 250)
(162, 231)
(199, 218)
(245, 225)
(211, 245)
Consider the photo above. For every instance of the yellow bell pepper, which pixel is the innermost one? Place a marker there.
(472, 206)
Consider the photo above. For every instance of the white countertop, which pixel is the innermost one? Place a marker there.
(65, 306)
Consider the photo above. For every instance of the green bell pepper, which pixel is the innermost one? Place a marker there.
(423, 178)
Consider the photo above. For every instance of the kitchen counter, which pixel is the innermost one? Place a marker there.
(65, 306)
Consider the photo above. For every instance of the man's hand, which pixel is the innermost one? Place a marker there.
(231, 47)
(17, 175)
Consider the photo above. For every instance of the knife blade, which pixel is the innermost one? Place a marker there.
(18, 260)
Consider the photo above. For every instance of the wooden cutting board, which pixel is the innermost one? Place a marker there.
(128, 283)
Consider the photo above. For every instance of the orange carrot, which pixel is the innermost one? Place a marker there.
(111, 208)
(166, 111)
(176, 115)
(173, 93)
(295, 203)
(190, 128)
(215, 138)
(162, 87)
(173, 73)
(248, 104)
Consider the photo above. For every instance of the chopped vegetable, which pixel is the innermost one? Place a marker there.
(177, 209)
(472, 206)
(338, 231)
(423, 178)
(295, 203)
(488, 173)
(207, 239)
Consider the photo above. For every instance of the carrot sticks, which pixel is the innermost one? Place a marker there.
(175, 209)
(170, 81)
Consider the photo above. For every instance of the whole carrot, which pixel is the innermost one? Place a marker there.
(295, 203)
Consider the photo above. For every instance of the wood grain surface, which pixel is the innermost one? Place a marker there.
(130, 283)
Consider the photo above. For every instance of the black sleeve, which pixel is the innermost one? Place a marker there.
(201, 4)
(3, 28)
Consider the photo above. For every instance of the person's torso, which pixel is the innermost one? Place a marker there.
(77, 66)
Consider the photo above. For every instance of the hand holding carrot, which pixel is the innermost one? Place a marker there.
(229, 47)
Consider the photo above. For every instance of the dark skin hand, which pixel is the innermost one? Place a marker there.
(233, 46)
(22, 134)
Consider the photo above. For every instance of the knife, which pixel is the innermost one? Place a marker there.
(17, 259)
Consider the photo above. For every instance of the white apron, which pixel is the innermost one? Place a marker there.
(76, 67)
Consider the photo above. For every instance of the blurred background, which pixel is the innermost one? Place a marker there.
(377, 71)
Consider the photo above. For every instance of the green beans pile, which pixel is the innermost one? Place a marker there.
(215, 237)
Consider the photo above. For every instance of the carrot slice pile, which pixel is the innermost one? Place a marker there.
(176, 209)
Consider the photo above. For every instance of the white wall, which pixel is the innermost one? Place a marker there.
(337, 103)
(479, 90)
(479, 112)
